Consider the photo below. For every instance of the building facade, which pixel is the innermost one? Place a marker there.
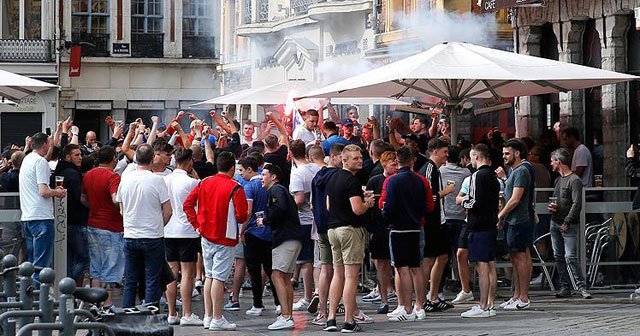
(28, 48)
(139, 58)
(593, 34)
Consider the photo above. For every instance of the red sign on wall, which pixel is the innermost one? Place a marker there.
(75, 61)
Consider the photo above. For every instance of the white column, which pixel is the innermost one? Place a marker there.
(66, 20)
(46, 19)
(21, 29)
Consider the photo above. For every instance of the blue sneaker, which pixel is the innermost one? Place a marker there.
(232, 306)
(383, 309)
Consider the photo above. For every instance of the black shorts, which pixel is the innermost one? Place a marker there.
(437, 241)
(482, 246)
(454, 227)
(379, 246)
(519, 236)
(306, 252)
(463, 238)
(405, 249)
(182, 249)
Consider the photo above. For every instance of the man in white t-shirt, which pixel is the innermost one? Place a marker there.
(182, 242)
(36, 203)
(302, 174)
(145, 207)
(582, 163)
(308, 132)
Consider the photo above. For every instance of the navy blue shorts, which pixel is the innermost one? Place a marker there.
(482, 245)
(519, 236)
(437, 241)
(306, 253)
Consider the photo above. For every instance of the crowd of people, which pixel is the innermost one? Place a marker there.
(157, 206)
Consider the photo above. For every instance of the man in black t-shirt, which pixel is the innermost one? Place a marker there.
(437, 241)
(346, 204)
(276, 153)
(378, 227)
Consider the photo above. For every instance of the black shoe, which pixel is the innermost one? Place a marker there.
(331, 325)
(351, 327)
(430, 307)
(444, 305)
(563, 293)
(313, 305)
(340, 310)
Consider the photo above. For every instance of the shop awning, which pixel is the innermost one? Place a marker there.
(487, 6)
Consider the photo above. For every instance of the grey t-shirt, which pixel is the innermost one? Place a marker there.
(568, 190)
(521, 178)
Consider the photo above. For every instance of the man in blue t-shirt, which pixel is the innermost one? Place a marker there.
(256, 239)
(519, 226)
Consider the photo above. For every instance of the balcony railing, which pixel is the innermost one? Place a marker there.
(198, 47)
(147, 45)
(26, 51)
(300, 7)
(93, 44)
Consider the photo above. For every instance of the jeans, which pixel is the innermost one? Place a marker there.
(257, 253)
(565, 252)
(143, 255)
(39, 236)
(77, 252)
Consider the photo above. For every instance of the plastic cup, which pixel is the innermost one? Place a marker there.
(598, 181)
(260, 218)
(59, 181)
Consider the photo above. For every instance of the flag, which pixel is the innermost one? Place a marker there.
(75, 61)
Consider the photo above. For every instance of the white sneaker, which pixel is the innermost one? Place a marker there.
(278, 309)
(476, 311)
(191, 320)
(506, 303)
(399, 310)
(404, 316)
(198, 284)
(362, 318)
(492, 311)
(536, 281)
(206, 321)
(222, 324)
(254, 311)
(282, 323)
(463, 297)
(301, 305)
(369, 297)
(420, 313)
(173, 320)
(518, 305)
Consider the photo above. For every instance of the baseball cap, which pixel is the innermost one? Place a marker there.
(347, 122)
(411, 136)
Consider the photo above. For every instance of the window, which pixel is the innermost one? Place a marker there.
(90, 16)
(146, 16)
(197, 19)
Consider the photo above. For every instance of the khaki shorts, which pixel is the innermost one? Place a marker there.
(347, 245)
(283, 257)
(324, 249)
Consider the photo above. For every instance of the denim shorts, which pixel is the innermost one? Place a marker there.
(217, 259)
(106, 254)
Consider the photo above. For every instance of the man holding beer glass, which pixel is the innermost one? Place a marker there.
(565, 207)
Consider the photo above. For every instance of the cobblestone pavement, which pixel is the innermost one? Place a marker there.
(605, 314)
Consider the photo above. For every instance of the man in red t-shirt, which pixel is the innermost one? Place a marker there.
(104, 229)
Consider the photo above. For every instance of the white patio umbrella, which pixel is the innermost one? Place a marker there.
(278, 94)
(455, 71)
(16, 87)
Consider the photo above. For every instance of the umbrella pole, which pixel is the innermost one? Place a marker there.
(453, 121)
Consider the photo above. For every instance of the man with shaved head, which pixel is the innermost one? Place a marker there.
(91, 143)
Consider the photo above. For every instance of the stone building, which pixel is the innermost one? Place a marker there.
(595, 33)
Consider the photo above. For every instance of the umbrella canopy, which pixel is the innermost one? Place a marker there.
(278, 94)
(455, 71)
(16, 87)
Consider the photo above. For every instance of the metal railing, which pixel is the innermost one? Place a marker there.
(93, 44)
(300, 7)
(147, 45)
(198, 47)
(26, 51)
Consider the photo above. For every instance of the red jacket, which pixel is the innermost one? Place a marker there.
(222, 205)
